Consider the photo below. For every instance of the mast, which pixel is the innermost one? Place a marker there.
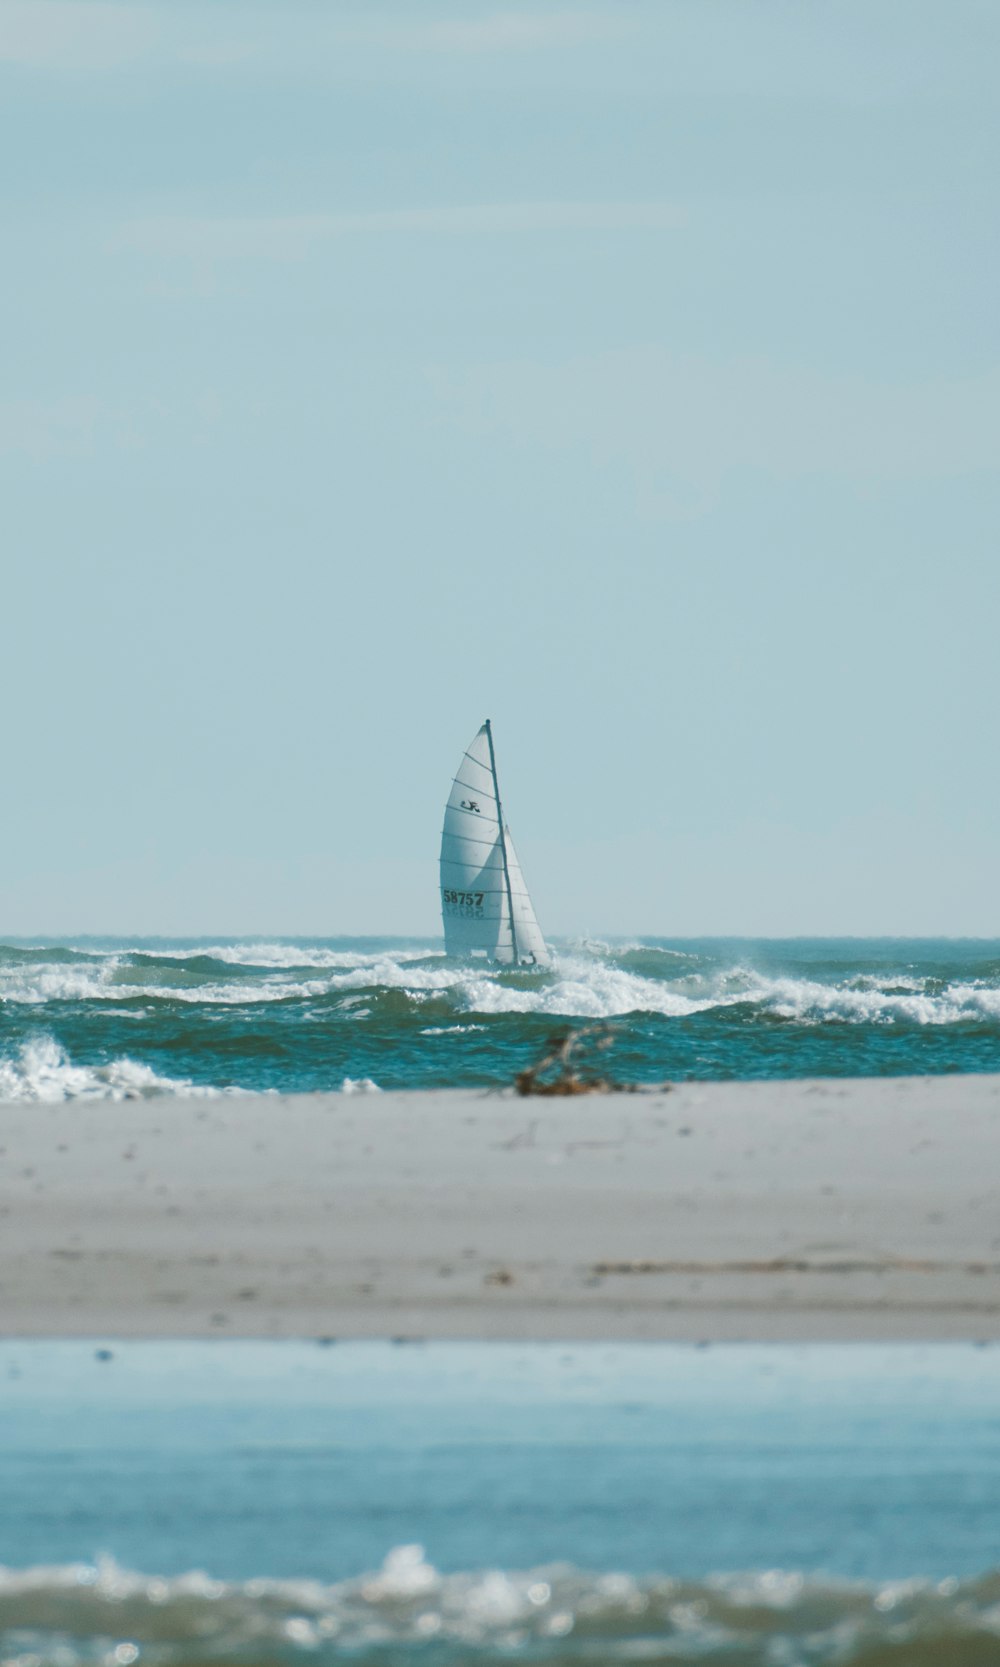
(503, 842)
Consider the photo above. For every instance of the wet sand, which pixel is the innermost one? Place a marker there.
(810, 1210)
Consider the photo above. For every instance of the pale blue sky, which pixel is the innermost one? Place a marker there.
(627, 373)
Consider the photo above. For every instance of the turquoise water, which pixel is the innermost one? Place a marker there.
(116, 1017)
(205, 1502)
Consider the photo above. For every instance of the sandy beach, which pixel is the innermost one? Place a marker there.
(795, 1210)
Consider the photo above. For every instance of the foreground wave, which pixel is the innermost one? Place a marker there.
(83, 1613)
(118, 1019)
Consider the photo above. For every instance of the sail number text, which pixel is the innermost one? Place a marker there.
(468, 905)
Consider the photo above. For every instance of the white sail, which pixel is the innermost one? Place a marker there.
(481, 880)
(530, 943)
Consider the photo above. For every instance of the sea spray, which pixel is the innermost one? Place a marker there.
(90, 1017)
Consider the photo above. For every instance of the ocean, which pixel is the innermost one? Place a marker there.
(116, 1017)
(181, 1504)
(188, 1504)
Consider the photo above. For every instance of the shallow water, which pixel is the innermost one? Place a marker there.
(88, 1018)
(459, 1503)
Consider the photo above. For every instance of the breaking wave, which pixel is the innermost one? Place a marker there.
(101, 1613)
(42, 1070)
(590, 981)
(287, 1016)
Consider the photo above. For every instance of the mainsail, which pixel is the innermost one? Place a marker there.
(484, 900)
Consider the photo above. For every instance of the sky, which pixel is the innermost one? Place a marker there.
(628, 373)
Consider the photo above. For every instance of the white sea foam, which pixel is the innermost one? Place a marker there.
(291, 955)
(814, 1003)
(359, 1085)
(42, 1070)
(586, 981)
(24, 982)
(110, 981)
(392, 974)
(121, 976)
(244, 994)
(586, 986)
(450, 1030)
(61, 1612)
(581, 988)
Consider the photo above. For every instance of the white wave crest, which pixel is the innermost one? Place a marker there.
(757, 1617)
(589, 980)
(450, 1030)
(42, 1070)
(813, 1003)
(389, 973)
(55, 981)
(280, 955)
(38, 985)
(119, 977)
(579, 988)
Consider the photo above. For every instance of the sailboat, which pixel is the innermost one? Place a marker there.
(484, 900)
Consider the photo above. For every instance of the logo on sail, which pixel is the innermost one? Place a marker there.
(470, 804)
